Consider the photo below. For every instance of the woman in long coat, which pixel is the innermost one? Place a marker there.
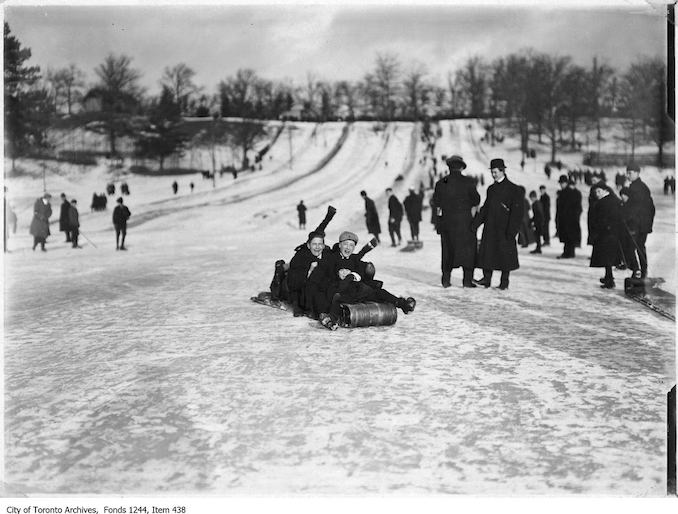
(568, 212)
(42, 210)
(605, 222)
(371, 216)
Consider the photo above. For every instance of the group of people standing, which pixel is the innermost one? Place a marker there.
(411, 207)
(69, 221)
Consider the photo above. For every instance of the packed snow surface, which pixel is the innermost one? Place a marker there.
(151, 372)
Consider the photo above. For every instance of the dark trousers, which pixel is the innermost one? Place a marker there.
(120, 229)
(69, 236)
(414, 230)
(394, 229)
(545, 234)
(640, 238)
(537, 236)
(75, 233)
(504, 281)
(39, 240)
(359, 292)
(568, 249)
(449, 249)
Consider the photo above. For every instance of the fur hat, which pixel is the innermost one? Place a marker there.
(348, 236)
(633, 167)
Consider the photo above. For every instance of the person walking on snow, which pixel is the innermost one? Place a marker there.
(413, 204)
(371, 217)
(74, 222)
(301, 212)
(175, 187)
(120, 216)
(39, 229)
(395, 216)
(605, 223)
(63, 217)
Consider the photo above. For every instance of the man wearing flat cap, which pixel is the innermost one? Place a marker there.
(343, 278)
(454, 199)
(501, 214)
(641, 207)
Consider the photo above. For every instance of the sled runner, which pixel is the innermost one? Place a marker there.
(264, 298)
(412, 246)
(646, 292)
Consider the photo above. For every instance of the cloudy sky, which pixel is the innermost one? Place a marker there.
(335, 40)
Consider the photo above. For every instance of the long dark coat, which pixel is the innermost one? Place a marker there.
(568, 211)
(395, 208)
(301, 211)
(413, 205)
(605, 222)
(63, 216)
(73, 217)
(297, 275)
(40, 222)
(456, 195)
(501, 214)
(538, 219)
(641, 205)
(592, 202)
(372, 217)
(120, 216)
(545, 200)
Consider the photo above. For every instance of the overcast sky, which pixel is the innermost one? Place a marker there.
(335, 42)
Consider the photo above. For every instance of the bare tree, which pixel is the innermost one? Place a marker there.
(179, 81)
(383, 85)
(416, 89)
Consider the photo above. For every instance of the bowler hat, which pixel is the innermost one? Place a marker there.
(455, 162)
(497, 163)
(633, 167)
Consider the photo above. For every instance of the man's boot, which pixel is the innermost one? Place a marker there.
(446, 280)
(467, 281)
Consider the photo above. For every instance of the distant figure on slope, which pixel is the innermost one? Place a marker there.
(301, 213)
(454, 201)
(192, 186)
(63, 217)
(604, 223)
(371, 216)
(568, 211)
(74, 222)
(413, 205)
(395, 217)
(42, 210)
(525, 232)
(501, 214)
(120, 216)
(175, 187)
(537, 220)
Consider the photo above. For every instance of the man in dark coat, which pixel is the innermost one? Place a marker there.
(343, 278)
(604, 224)
(545, 200)
(371, 216)
(454, 199)
(413, 205)
(537, 220)
(501, 214)
(39, 229)
(568, 211)
(74, 222)
(175, 187)
(301, 212)
(395, 216)
(120, 216)
(642, 207)
(596, 182)
(63, 217)
(302, 265)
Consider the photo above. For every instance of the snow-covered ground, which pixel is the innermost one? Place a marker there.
(151, 372)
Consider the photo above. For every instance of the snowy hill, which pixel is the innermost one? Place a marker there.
(150, 371)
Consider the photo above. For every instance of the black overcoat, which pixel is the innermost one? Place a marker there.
(63, 216)
(372, 217)
(455, 195)
(395, 208)
(641, 205)
(568, 211)
(297, 275)
(605, 222)
(412, 203)
(501, 214)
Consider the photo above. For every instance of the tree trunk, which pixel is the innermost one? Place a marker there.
(162, 162)
(573, 129)
(554, 142)
(633, 138)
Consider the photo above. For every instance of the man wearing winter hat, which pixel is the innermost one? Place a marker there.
(501, 214)
(641, 207)
(39, 228)
(454, 199)
(343, 278)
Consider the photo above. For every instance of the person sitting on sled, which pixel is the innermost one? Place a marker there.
(343, 277)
